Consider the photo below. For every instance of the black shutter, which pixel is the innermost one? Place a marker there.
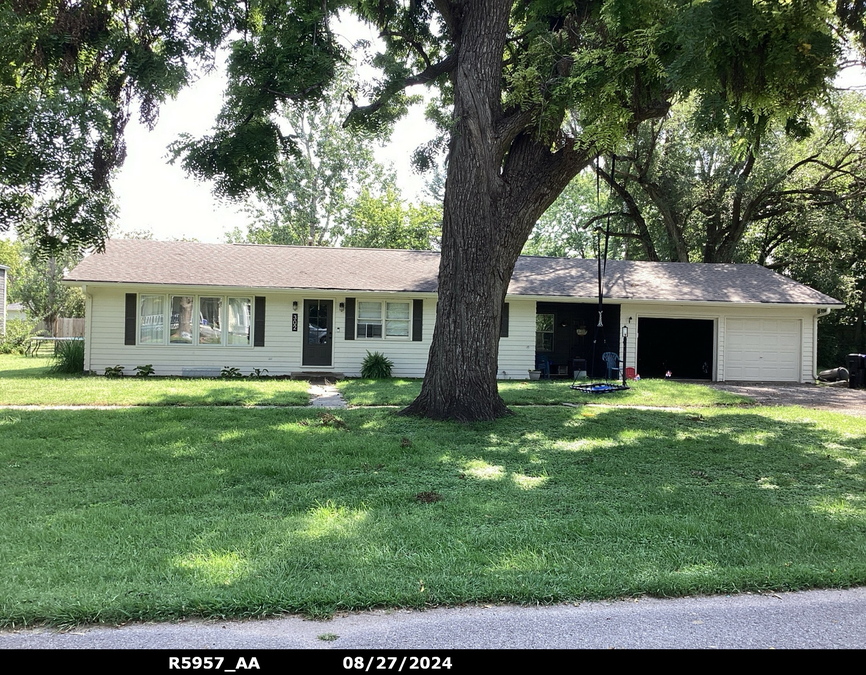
(129, 319)
(417, 320)
(349, 333)
(259, 322)
(503, 322)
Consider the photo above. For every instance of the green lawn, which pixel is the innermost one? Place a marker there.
(156, 513)
(28, 381)
(656, 393)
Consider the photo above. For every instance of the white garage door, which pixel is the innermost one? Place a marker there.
(763, 349)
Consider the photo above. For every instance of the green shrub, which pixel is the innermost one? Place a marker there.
(376, 366)
(69, 357)
(230, 372)
(18, 332)
(114, 371)
(144, 371)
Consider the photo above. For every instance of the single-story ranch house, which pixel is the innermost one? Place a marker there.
(190, 308)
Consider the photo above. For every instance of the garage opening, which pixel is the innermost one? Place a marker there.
(682, 346)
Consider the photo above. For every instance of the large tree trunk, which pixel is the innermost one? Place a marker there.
(500, 180)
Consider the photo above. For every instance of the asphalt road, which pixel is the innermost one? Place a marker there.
(825, 619)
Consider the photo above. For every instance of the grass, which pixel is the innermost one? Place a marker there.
(656, 393)
(156, 513)
(30, 381)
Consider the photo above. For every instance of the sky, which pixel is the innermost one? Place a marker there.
(156, 196)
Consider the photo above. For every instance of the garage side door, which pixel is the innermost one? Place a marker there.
(763, 349)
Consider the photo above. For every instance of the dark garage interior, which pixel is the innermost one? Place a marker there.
(682, 346)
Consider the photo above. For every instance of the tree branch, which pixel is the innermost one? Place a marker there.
(446, 65)
(409, 41)
(635, 213)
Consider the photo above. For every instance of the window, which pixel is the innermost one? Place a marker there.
(240, 311)
(151, 329)
(210, 321)
(205, 320)
(369, 320)
(544, 332)
(397, 318)
(181, 319)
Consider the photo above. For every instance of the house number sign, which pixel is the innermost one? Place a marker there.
(295, 323)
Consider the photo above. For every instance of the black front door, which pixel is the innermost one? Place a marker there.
(317, 322)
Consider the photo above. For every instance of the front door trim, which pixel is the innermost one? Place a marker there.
(318, 333)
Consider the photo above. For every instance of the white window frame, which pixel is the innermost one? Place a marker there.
(383, 319)
(196, 325)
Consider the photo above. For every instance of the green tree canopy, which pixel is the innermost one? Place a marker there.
(384, 221)
(312, 202)
(37, 284)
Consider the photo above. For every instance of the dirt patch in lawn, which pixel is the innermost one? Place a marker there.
(836, 399)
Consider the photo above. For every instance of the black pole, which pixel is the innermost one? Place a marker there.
(624, 352)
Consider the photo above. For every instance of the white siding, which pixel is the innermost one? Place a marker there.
(105, 336)
(517, 351)
(775, 335)
(409, 357)
(281, 355)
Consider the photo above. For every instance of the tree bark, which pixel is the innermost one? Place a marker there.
(500, 180)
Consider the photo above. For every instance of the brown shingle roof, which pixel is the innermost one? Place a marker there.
(352, 269)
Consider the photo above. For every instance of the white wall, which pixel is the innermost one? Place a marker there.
(282, 353)
(517, 351)
(104, 336)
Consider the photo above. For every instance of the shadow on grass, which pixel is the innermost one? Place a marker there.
(39, 370)
(156, 513)
(401, 392)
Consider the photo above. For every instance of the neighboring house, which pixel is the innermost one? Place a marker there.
(3, 272)
(15, 310)
(186, 307)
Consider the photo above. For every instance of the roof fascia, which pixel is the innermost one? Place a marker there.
(687, 303)
(169, 288)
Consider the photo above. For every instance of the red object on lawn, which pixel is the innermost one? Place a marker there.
(629, 373)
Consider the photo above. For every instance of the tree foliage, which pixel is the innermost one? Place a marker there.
(695, 195)
(12, 256)
(71, 73)
(313, 201)
(38, 285)
(385, 221)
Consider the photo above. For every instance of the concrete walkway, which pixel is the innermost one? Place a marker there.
(325, 395)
